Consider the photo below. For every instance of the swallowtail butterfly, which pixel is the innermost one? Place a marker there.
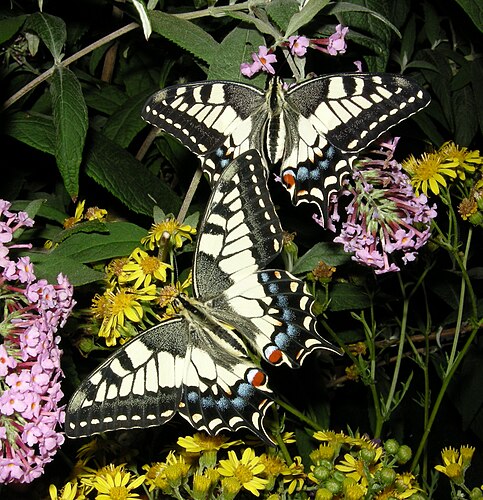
(198, 364)
(314, 129)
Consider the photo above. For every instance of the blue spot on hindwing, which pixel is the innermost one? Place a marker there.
(282, 301)
(302, 173)
(273, 288)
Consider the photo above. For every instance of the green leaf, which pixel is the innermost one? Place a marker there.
(378, 7)
(126, 122)
(51, 30)
(91, 226)
(474, 9)
(348, 297)
(282, 12)
(120, 173)
(331, 254)
(120, 240)
(32, 129)
(186, 34)
(143, 15)
(236, 48)
(49, 268)
(309, 11)
(466, 121)
(71, 122)
(10, 26)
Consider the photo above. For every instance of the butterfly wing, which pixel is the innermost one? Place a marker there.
(240, 232)
(331, 118)
(216, 120)
(272, 309)
(182, 366)
(140, 385)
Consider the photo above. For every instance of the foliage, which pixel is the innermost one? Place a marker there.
(73, 84)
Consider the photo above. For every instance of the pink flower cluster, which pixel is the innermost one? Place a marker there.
(30, 370)
(385, 217)
(262, 60)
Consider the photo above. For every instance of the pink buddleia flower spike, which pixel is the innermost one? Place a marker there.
(30, 372)
(386, 221)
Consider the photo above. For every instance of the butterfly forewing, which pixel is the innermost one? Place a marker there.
(352, 110)
(202, 115)
(240, 232)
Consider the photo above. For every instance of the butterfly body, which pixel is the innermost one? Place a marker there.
(313, 130)
(202, 363)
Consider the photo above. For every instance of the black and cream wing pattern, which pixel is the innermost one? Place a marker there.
(314, 130)
(200, 363)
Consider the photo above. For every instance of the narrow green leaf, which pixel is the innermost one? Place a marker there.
(186, 34)
(331, 254)
(120, 240)
(10, 26)
(261, 25)
(236, 48)
(309, 11)
(51, 30)
(474, 9)
(71, 122)
(119, 172)
(143, 16)
(466, 121)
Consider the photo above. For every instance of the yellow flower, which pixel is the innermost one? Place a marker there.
(176, 469)
(429, 172)
(95, 213)
(326, 451)
(115, 269)
(117, 486)
(453, 465)
(357, 469)
(336, 438)
(353, 491)
(273, 464)
(466, 453)
(294, 475)
(245, 470)
(68, 492)
(467, 207)
(79, 211)
(142, 268)
(460, 158)
(168, 293)
(200, 442)
(114, 307)
(168, 230)
(155, 476)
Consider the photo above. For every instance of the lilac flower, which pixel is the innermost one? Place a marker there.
(298, 45)
(30, 370)
(262, 61)
(335, 44)
(385, 217)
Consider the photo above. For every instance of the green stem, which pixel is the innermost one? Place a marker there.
(455, 359)
(400, 352)
(306, 420)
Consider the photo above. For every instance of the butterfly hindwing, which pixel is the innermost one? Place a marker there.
(177, 366)
(240, 232)
(272, 310)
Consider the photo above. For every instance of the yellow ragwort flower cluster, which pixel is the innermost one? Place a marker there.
(140, 288)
